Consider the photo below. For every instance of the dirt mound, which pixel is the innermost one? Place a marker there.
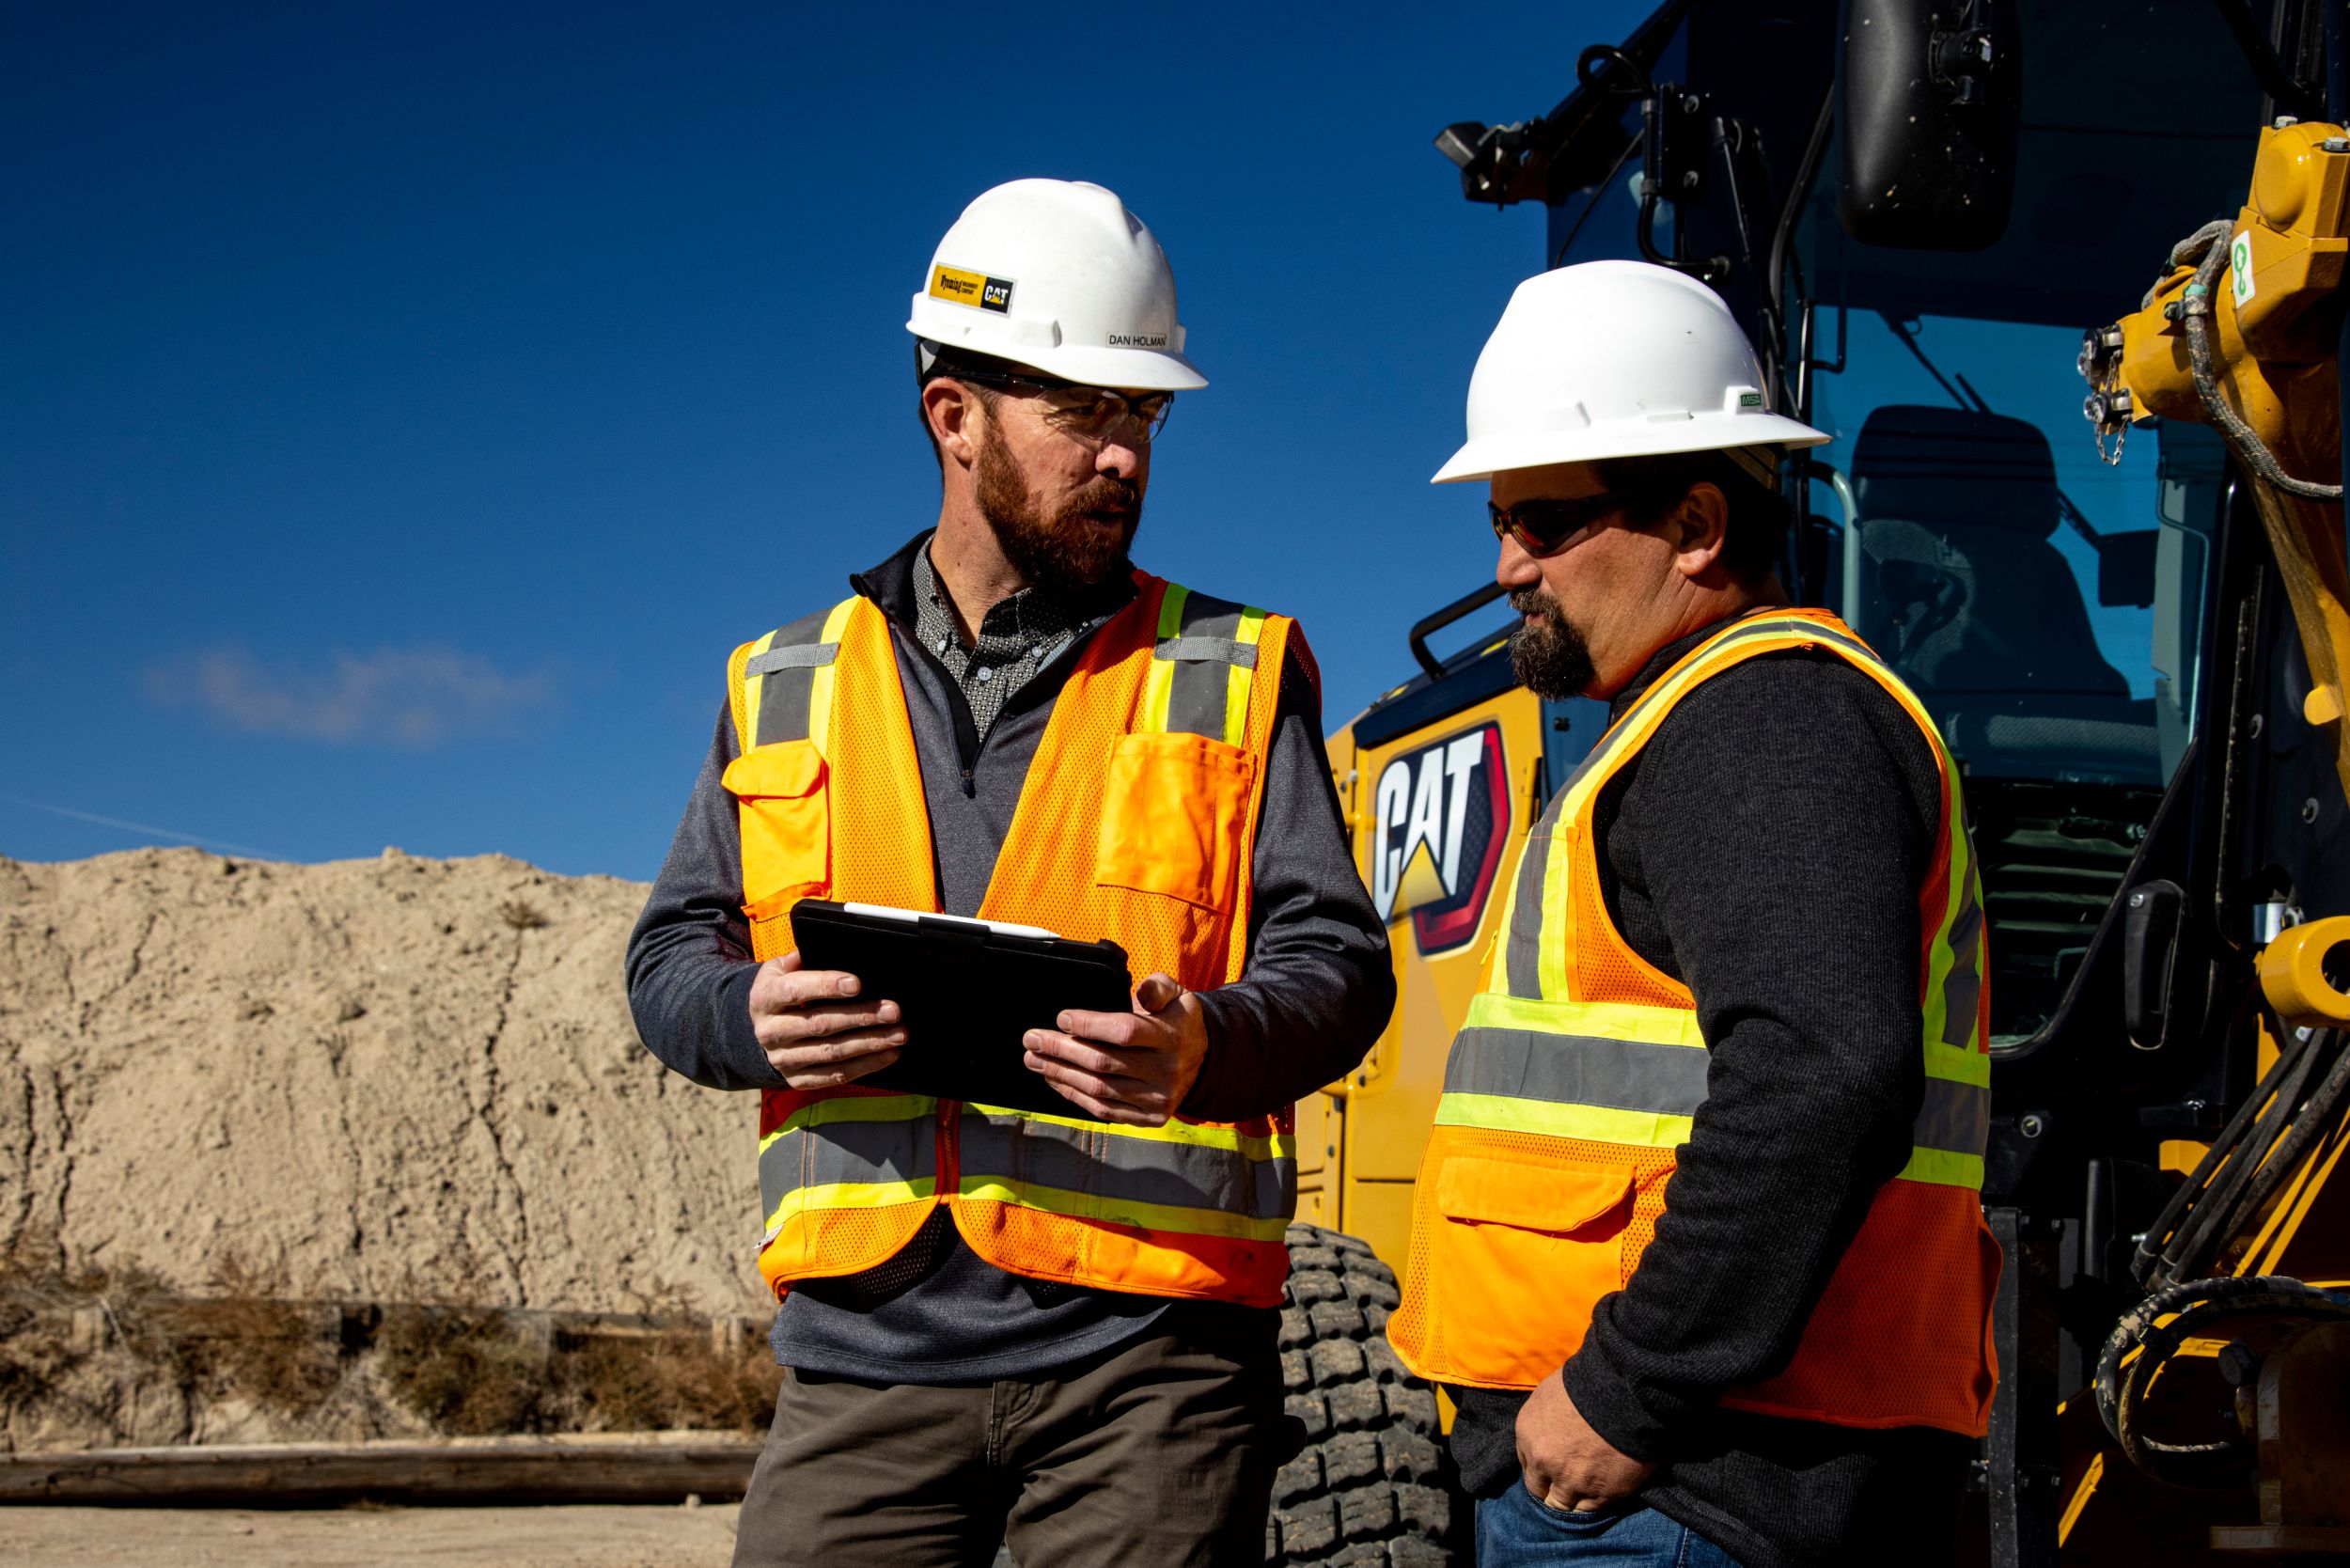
(392, 1079)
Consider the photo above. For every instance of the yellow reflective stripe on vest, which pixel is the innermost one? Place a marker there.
(827, 675)
(1944, 1167)
(879, 1149)
(1201, 667)
(1208, 1181)
(1588, 1124)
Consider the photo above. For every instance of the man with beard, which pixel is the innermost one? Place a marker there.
(1059, 1329)
(1699, 1243)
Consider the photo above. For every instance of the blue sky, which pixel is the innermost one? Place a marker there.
(404, 409)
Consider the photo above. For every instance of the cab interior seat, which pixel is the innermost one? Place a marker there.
(1966, 594)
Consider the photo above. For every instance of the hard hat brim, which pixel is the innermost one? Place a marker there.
(1503, 451)
(1141, 370)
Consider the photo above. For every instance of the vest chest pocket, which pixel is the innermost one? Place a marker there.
(787, 837)
(1524, 1252)
(1174, 815)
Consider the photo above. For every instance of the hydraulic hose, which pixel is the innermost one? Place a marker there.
(2151, 1249)
(2208, 249)
(2208, 1466)
(2221, 1212)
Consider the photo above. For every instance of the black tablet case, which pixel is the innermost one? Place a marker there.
(968, 994)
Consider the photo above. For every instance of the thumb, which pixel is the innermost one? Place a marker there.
(1156, 993)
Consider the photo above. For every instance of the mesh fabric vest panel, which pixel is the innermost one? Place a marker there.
(854, 1189)
(1901, 1335)
(879, 852)
(1039, 880)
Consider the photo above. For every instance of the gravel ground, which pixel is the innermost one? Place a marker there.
(580, 1537)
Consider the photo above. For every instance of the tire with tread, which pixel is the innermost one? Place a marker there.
(1372, 1487)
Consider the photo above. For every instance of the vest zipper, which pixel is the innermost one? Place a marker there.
(949, 1146)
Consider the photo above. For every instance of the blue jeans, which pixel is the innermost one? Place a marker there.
(1519, 1530)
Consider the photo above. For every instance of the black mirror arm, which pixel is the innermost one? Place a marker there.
(1712, 270)
(2291, 97)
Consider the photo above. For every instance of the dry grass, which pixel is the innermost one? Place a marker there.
(464, 1374)
(251, 1345)
(472, 1374)
(461, 1371)
(522, 915)
(668, 1381)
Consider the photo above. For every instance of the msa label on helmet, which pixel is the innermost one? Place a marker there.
(1440, 820)
(977, 290)
(1137, 339)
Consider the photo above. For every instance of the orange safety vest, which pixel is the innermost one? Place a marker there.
(1136, 822)
(1576, 1077)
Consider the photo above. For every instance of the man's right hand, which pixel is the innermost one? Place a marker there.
(814, 1030)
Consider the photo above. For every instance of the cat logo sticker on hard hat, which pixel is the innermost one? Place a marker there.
(1442, 817)
(958, 287)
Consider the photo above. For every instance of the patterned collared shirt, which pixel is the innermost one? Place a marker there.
(1018, 636)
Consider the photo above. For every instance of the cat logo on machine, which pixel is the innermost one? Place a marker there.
(1442, 818)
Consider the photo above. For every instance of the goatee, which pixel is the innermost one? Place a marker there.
(1549, 655)
(1077, 545)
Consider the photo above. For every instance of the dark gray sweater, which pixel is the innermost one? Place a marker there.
(1315, 993)
(1766, 849)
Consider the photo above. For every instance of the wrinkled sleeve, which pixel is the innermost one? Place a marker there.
(1317, 987)
(689, 959)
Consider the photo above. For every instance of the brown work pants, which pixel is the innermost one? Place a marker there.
(1158, 1451)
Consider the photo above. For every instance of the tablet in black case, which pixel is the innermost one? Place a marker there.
(970, 989)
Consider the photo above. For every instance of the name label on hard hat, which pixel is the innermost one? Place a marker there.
(1137, 339)
(977, 290)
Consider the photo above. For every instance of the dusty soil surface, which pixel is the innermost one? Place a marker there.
(600, 1537)
(393, 1080)
(393, 1077)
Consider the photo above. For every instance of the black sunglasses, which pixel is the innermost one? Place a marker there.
(1090, 412)
(1545, 524)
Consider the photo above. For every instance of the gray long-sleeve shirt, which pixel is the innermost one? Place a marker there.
(1314, 994)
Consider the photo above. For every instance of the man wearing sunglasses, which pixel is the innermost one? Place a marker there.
(1059, 1330)
(1699, 1243)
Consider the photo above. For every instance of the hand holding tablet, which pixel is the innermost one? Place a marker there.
(816, 1029)
(1134, 1066)
(967, 996)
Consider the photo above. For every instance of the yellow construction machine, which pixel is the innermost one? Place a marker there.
(2132, 633)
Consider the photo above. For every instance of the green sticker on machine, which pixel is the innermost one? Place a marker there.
(2240, 268)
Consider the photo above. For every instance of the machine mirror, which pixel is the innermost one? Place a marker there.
(1928, 104)
(2126, 568)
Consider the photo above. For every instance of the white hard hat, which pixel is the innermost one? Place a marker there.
(1611, 359)
(1057, 275)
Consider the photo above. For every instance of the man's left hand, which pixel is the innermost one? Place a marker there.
(1134, 1067)
(1567, 1465)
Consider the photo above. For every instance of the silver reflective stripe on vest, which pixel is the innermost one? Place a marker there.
(810, 656)
(1962, 988)
(1956, 1117)
(1522, 956)
(1162, 1173)
(830, 1152)
(1203, 651)
(1577, 1070)
(785, 673)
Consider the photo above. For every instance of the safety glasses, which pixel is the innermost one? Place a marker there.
(1545, 524)
(1088, 412)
